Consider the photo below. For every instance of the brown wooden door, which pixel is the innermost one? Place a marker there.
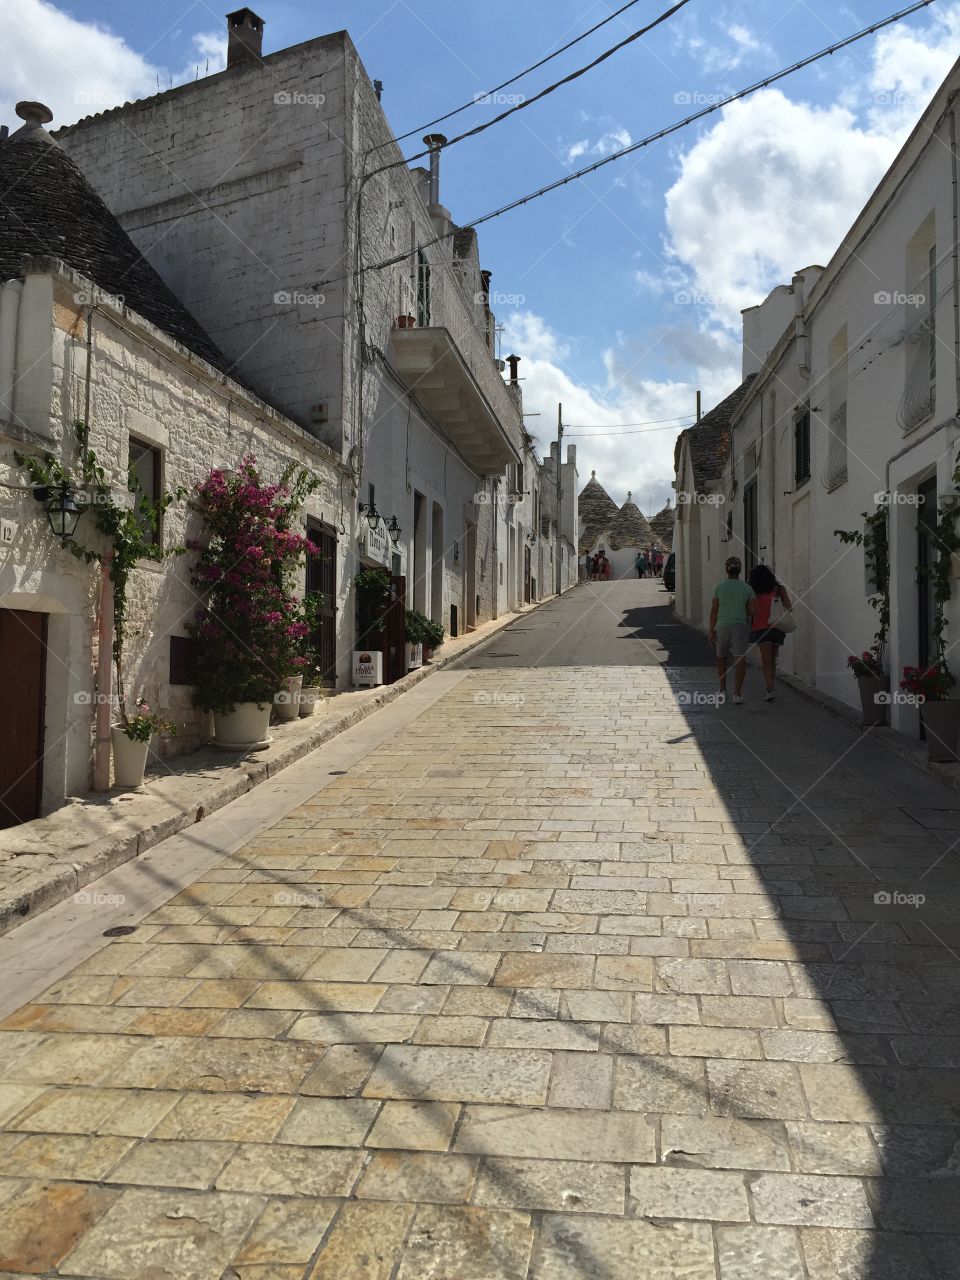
(395, 632)
(322, 580)
(23, 639)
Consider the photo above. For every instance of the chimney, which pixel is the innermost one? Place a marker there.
(434, 141)
(244, 38)
(378, 89)
(513, 361)
(35, 115)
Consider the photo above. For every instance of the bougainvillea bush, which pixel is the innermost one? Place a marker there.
(252, 627)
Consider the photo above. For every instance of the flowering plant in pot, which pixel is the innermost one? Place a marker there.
(873, 684)
(131, 742)
(433, 637)
(417, 627)
(251, 627)
(940, 713)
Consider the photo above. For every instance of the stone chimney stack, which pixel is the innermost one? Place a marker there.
(244, 38)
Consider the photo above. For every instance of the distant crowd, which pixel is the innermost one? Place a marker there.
(648, 564)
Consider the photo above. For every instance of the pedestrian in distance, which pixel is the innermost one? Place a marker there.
(640, 564)
(731, 619)
(605, 568)
(768, 591)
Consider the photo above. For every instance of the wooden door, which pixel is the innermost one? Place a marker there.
(23, 639)
(395, 631)
(322, 581)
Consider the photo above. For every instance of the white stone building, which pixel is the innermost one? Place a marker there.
(273, 200)
(852, 408)
(91, 332)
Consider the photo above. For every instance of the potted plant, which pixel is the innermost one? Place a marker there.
(406, 321)
(874, 686)
(940, 714)
(311, 692)
(418, 629)
(131, 742)
(433, 637)
(251, 627)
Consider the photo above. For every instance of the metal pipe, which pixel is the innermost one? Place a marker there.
(956, 255)
(101, 753)
(435, 141)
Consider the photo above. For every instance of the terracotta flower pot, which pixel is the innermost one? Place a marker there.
(129, 758)
(244, 728)
(941, 726)
(874, 699)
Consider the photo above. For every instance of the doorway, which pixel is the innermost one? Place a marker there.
(321, 580)
(751, 536)
(436, 545)
(526, 575)
(926, 562)
(23, 647)
(470, 550)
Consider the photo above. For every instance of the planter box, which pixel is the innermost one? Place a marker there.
(873, 706)
(367, 668)
(414, 656)
(129, 758)
(941, 725)
(244, 728)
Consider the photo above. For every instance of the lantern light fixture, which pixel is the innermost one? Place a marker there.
(63, 512)
(394, 530)
(373, 515)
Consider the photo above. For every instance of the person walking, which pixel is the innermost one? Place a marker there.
(731, 616)
(768, 591)
(605, 568)
(640, 564)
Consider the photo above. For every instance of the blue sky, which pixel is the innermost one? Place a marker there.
(622, 291)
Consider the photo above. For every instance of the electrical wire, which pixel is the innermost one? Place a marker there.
(551, 88)
(605, 426)
(643, 431)
(654, 137)
(513, 79)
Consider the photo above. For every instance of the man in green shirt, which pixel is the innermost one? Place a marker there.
(730, 616)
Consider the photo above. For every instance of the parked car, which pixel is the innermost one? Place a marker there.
(670, 571)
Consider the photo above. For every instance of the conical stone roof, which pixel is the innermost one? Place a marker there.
(50, 210)
(629, 528)
(597, 509)
(662, 525)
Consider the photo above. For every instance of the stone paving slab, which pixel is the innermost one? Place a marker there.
(401, 1030)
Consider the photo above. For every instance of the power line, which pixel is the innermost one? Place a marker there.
(606, 426)
(551, 88)
(513, 79)
(640, 432)
(656, 137)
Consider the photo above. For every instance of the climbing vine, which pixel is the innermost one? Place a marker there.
(874, 538)
(948, 545)
(129, 529)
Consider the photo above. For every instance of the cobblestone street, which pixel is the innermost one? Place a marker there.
(573, 975)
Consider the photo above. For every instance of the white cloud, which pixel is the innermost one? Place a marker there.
(774, 185)
(612, 139)
(642, 459)
(78, 68)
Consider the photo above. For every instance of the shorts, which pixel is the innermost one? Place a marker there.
(733, 640)
(768, 635)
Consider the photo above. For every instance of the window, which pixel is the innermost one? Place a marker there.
(751, 536)
(801, 446)
(145, 482)
(321, 580)
(920, 329)
(836, 473)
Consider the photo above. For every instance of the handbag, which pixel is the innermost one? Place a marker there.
(781, 619)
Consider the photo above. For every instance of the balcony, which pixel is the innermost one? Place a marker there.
(448, 367)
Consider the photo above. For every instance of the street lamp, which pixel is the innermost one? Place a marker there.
(394, 530)
(60, 504)
(372, 514)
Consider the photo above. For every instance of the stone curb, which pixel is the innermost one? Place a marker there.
(88, 860)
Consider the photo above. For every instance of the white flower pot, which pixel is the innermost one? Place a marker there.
(287, 701)
(129, 758)
(414, 656)
(244, 728)
(309, 697)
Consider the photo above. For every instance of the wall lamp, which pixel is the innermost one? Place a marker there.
(60, 503)
(373, 515)
(394, 530)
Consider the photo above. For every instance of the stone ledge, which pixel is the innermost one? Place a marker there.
(45, 861)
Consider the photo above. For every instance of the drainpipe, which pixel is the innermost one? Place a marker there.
(101, 753)
(803, 363)
(956, 254)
